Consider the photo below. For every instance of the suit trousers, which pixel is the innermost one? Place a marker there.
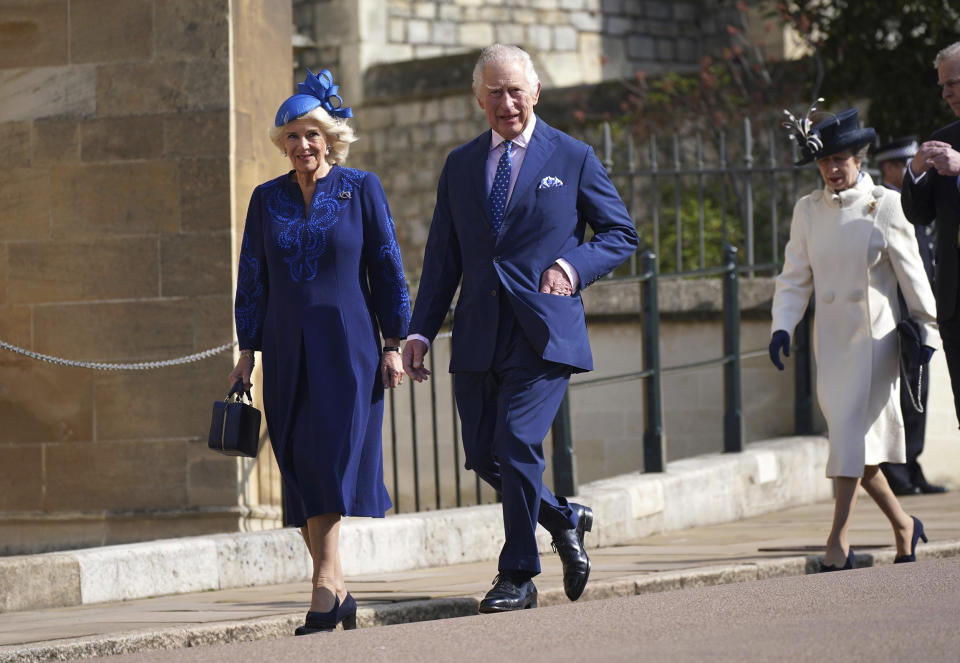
(950, 335)
(506, 412)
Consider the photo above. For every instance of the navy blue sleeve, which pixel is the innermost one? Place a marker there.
(614, 238)
(250, 306)
(442, 267)
(388, 285)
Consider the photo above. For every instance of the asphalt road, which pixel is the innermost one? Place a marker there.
(887, 613)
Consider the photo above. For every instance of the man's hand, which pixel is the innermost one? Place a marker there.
(413, 353)
(554, 281)
(936, 154)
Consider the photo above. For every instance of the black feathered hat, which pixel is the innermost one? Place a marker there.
(836, 133)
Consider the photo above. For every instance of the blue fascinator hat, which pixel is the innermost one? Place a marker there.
(316, 90)
(836, 133)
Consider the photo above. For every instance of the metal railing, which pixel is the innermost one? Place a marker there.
(746, 200)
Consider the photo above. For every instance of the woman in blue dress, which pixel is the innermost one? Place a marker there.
(320, 279)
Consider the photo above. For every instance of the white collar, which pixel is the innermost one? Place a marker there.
(523, 140)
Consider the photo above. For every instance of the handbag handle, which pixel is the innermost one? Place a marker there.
(237, 391)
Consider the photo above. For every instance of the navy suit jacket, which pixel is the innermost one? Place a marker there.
(539, 226)
(936, 197)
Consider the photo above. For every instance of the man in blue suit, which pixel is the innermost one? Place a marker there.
(508, 229)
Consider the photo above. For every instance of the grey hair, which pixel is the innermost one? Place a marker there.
(498, 53)
(336, 132)
(949, 53)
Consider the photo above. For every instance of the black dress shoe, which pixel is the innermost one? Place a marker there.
(568, 544)
(905, 489)
(509, 593)
(928, 488)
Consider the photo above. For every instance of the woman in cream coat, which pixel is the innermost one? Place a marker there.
(852, 246)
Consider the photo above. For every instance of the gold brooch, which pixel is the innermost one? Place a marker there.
(872, 205)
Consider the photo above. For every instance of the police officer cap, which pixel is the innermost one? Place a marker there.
(901, 148)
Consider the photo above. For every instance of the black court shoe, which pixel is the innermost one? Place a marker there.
(568, 544)
(827, 568)
(319, 622)
(918, 534)
(347, 613)
(509, 593)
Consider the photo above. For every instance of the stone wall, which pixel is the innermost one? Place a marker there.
(125, 165)
(574, 41)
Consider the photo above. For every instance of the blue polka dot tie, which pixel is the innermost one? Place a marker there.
(501, 185)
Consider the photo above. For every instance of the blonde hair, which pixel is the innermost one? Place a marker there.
(336, 132)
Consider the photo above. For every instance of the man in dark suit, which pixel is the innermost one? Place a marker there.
(907, 478)
(508, 229)
(930, 193)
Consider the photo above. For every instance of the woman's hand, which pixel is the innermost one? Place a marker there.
(391, 369)
(242, 372)
(779, 342)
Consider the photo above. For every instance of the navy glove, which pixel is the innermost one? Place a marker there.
(779, 341)
(926, 352)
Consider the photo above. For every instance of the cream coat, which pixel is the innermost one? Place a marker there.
(852, 249)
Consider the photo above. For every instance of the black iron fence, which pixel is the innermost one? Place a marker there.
(692, 213)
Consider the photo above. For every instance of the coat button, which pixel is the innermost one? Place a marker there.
(493, 293)
(856, 295)
(496, 258)
(828, 296)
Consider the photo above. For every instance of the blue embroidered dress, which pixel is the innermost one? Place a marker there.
(313, 292)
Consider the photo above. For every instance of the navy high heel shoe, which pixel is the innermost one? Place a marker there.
(318, 622)
(347, 613)
(918, 534)
(826, 568)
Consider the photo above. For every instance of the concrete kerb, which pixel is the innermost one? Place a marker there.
(715, 488)
(413, 611)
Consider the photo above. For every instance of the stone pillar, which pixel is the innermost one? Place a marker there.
(132, 133)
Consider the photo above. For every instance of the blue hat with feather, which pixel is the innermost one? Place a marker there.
(316, 90)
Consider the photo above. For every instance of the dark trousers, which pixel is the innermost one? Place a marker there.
(950, 335)
(903, 476)
(505, 413)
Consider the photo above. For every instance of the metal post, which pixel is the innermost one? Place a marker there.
(803, 381)
(748, 189)
(393, 449)
(413, 440)
(564, 481)
(456, 441)
(654, 196)
(732, 414)
(678, 217)
(654, 447)
(607, 147)
(436, 436)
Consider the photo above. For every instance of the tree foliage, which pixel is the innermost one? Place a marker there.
(882, 52)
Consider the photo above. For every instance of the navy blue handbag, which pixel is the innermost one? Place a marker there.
(911, 348)
(235, 425)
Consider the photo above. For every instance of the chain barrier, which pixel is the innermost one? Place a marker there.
(102, 366)
(134, 366)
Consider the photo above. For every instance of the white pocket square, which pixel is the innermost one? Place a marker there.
(550, 182)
